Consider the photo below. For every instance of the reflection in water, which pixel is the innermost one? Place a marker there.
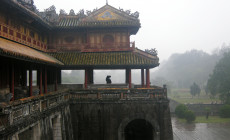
(200, 131)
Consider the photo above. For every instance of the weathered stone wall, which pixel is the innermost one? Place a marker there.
(43, 118)
(200, 109)
(106, 120)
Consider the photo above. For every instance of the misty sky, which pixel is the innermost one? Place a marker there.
(170, 26)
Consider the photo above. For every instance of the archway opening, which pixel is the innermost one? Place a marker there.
(139, 129)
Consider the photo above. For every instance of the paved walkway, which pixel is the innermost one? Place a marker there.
(200, 131)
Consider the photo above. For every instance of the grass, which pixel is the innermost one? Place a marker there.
(183, 96)
(211, 119)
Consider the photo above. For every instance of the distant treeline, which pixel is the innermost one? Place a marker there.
(182, 70)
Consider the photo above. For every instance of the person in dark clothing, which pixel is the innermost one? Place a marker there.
(108, 80)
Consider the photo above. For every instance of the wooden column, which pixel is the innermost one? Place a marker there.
(40, 81)
(130, 79)
(12, 80)
(90, 76)
(59, 76)
(126, 76)
(55, 88)
(142, 78)
(147, 78)
(7, 76)
(86, 78)
(30, 82)
(45, 82)
(24, 77)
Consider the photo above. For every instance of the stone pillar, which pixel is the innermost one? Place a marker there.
(40, 81)
(86, 78)
(147, 78)
(45, 83)
(142, 78)
(12, 80)
(30, 82)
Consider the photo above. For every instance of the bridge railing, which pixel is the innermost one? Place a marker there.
(120, 94)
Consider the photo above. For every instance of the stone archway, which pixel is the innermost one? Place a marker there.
(139, 129)
(152, 124)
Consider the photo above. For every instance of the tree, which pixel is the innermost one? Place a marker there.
(190, 116)
(181, 110)
(218, 82)
(195, 89)
(225, 111)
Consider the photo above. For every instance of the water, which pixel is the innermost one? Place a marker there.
(200, 131)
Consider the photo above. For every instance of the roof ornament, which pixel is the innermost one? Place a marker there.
(71, 13)
(106, 2)
(152, 51)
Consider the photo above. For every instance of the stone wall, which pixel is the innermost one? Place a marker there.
(106, 120)
(39, 118)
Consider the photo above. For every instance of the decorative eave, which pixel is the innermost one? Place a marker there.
(22, 52)
(106, 60)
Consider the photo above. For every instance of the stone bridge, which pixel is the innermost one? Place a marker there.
(98, 114)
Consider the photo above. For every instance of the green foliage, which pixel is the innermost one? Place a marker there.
(190, 116)
(218, 82)
(225, 111)
(181, 110)
(195, 89)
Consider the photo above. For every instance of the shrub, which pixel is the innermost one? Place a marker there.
(181, 110)
(190, 116)
(225, 111)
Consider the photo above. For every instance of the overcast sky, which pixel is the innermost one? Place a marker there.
(170, 26)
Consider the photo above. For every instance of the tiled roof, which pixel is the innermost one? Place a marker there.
(75, 22)
(18, 51)
(105, 59)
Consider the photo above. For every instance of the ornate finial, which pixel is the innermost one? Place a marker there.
(106, 2)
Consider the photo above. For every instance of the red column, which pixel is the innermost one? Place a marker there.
(45, 84)
(142, 78)
(147, 78)
(12, 81)
(30, 82)
(40, 81)
(55, 80)
(130, 80)
(86, 78)
(126, 76)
